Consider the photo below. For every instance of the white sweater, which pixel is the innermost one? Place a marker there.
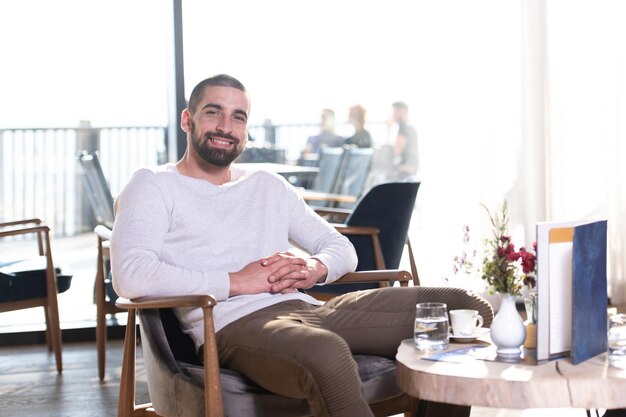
(177, 235)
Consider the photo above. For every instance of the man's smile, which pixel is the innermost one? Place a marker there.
(221, 142)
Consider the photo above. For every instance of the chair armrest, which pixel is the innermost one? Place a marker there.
(311, 195)
(166, 302)
(24, 231)
(335, 212)
(374, 276)
(356, 230)
(20, 222)
(103, 232)
(372, 232)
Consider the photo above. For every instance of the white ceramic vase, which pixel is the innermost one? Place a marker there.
(507, 329)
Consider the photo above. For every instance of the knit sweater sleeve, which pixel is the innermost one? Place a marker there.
(142, 220)
(320, 239)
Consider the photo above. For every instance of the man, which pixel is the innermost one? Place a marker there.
(327, 135)
(405, 143)
(203, 226)
(361, 137)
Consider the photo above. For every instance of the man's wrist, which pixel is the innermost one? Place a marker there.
(319, 269)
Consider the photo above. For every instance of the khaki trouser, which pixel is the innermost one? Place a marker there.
(303, 351)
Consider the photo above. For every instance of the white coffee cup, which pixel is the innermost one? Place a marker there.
(465, 322)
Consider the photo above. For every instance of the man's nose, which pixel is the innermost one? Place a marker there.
(224, 125)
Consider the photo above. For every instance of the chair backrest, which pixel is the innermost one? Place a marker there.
(354, 171)
(388, 207)
(96, 188)
(329, 163)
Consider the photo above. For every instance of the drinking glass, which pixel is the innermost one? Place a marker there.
(431, 326)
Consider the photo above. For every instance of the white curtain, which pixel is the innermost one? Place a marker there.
(586, 108)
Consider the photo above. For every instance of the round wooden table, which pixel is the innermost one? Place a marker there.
(592, 384)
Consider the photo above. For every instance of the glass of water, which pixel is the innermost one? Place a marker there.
(431, 326)
(617, 340)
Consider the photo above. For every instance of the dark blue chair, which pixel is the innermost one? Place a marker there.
(34, 281)
(329, 164)
(353, 173)
(342, 171)
(378, 228)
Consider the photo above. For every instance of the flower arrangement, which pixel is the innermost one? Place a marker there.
(501, 262)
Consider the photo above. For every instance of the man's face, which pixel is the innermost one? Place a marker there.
(219, 125)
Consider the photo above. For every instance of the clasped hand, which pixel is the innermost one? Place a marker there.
(282, 272)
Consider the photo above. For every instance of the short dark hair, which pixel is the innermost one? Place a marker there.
(220, 80)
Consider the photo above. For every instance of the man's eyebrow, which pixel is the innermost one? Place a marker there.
(220, 107)
(212, 105)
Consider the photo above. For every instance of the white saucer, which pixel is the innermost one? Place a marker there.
(481, 331)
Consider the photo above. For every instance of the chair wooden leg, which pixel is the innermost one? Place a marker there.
(126, 405)
(54, 330)
(101, 326)
(53, 326)
(52, 306)
(101, 340)
(416, 278)
(48, 329)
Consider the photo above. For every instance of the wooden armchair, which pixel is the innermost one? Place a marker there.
(180, 386)
(34, 281)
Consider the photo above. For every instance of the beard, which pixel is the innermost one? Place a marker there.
(213, 156)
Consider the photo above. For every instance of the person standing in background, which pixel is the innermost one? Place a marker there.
(405, 162)
(361, 137)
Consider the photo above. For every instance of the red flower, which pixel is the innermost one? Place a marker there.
(529, 260)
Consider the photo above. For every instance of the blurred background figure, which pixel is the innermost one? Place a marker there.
(326, 137)
(361, 137)
(403, 138)
(397, 159)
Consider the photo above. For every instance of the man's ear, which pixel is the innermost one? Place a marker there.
(185, 120)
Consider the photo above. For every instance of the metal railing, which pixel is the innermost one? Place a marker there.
(39, 176)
